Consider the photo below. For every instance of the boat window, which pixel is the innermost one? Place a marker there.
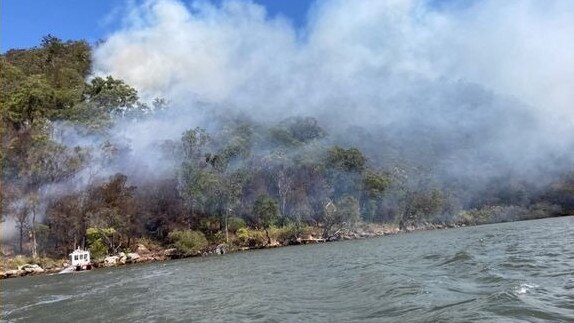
(76, 257)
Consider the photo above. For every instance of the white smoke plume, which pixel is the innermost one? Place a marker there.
(486, 81)
(234, 53)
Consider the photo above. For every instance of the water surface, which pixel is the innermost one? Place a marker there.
(522, 271)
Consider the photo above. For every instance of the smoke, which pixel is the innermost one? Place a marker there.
(476, 91)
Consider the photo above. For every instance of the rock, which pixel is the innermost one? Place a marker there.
(170, 252)
(157, 257)
(14, 273)
(221, 249)
(122, 258)
(273, 243)
(149, 257)
(141, 249)
(111, 261)
(3, 275)
(132, 256)
(31, 268)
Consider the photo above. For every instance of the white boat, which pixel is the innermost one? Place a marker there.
(79, 260)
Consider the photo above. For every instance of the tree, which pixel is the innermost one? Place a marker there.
(113, 206)
(423, 205)
(33, 201)
(296, 131)
(67, 220)
(374, 185)
(30, 104)
(344, 213)
(194, 143)
(349, 160)
(22, 219)
(100, 241)
(110, 94)
(266, 213)
(104, 98)
(199, 186)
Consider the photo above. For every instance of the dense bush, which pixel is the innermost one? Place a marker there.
(288, 233)
(235, 223)
(98, 240)
(188, 242)
(252, 238)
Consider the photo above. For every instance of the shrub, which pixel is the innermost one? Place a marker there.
(235, 223)
(288, 233)
(98, 249)
(16, 262)
(492, 214)
(246, 237)
(542, 210)
(188, 242)
(96, 241)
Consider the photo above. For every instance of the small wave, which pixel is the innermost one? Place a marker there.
(432, 257)
(48, 300)
(524, 289)
(460, 256)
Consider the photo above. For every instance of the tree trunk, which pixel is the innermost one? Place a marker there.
(226, 231)
(21, 238)
(268, 238)
(34, 244)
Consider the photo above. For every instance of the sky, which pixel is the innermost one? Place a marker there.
(24, 22)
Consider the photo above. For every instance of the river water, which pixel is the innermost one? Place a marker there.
(522, 271)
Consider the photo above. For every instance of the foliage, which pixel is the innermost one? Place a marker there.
(98, 249)
(266, 211)
(188, 242)
(235, 223)
(20, 260)
(251, 238)
(288, 233)
(98, 240)
(343, 213)
(350, 160)
(296, 131)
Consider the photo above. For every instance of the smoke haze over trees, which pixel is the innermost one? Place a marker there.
(194, 116)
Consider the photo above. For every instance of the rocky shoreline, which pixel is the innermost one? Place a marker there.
(143, 255)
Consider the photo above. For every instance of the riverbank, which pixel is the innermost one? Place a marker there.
(21, 266)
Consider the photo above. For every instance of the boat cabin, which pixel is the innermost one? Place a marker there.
(80, 258)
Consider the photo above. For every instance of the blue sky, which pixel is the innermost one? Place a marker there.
(24, 22)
